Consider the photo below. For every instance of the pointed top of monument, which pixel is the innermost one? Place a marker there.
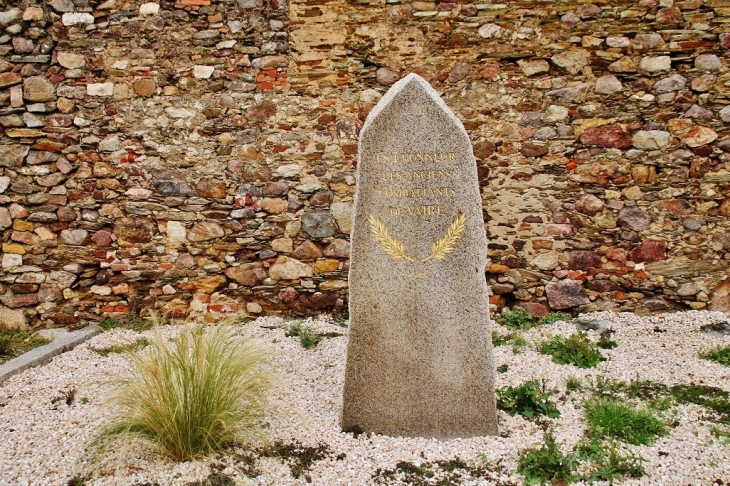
(418, 90)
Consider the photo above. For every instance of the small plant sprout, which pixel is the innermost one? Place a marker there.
(498, 340)
(308, 337)
(720, 354)
(517, 319)
(547, 463)
(552, 318)
(529, 400)
(15, 342)
(191, 397)
(572, 384)
(606, 340)
(606, 417)
(518, 342)
(576, 350)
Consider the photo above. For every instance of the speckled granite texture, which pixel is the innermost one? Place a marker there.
(419, 356)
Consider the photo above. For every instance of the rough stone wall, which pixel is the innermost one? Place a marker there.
(198, 157)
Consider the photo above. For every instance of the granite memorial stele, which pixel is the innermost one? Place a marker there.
(419, 356)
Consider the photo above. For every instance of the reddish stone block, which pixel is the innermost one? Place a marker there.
(606, 136)
(649, 251)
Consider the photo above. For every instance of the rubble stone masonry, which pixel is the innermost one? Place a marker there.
(197, 157)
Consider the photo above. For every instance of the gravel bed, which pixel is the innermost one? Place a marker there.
(49, 413)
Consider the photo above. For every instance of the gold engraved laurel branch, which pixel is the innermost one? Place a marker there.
(439, 249)
(391, 246)
(445, 245)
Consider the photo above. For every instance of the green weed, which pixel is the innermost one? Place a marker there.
(215, 478)
(442, 473)
(529, 399)
(576, 350)
(108, 323)
(710, 397)
(720, 354)
(572, 384)
(502, 368)
(606, 417)
(608, 462)
(14, 342)
(498, 340)
(552, 318)
(547, 463)
(308, 337)
(605, 342)
(192, 397)
(299, 457)
(517, 319)
(518, 343)
(131, 320)
(140, 343)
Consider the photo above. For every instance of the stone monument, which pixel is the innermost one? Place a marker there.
(419, 357)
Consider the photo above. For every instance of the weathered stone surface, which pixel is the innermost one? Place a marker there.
(12, 155)
(606, 136)
(725, 114)
(654, 64)
(307, 251)
(719, 299)
(400, 317)
(608, 84)
(261, 112)
(489, 31)
(100, 89)
(531, 68)
(74, 237)
(572, 60)
(318, 223)
(696, 136)
(385, 76)
(583, 259)
(572, 93)
(144, 87)
(649, 251)
(12, 319)
(565, 294)
(459, 72)
(634, 218)
(205, 231)
(650, 139)
(10, 79)
(623, 65)
(672, 83)
(708, 62)
(546, 261)
(76, 18)
(38, 88)
(697, 112)
(248, 274)
(287, 268)
(135, 230)
(71, 60)
(533, 149)
(590, 205)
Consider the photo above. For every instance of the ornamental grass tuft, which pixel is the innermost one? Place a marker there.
(191, 396)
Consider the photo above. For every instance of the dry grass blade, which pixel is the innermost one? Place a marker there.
(390, 245)
(191, 397)
(445, 245)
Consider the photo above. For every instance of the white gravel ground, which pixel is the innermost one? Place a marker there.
(43, 439)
